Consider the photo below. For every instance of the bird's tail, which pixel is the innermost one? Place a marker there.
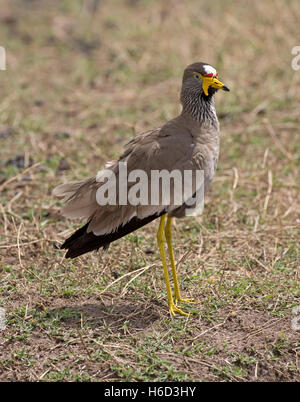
(67, 190)
(82, 241)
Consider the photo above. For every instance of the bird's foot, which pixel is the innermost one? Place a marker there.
(174, 309)
(180, 299)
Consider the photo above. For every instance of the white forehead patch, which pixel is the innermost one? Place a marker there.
(209, 69)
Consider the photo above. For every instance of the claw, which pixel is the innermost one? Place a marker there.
(192, 301)
(174, 309)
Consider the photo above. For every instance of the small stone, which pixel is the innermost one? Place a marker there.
(19, 162)
(6, 133)
(63, 165)
(62, 135)
(38, 102)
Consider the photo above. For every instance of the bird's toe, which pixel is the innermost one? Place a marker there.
(174, 309)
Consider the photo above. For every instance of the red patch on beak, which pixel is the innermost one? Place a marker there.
(208, 75)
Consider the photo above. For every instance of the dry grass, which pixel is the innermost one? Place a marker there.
(78, 85)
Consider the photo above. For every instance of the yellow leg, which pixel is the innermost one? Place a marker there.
(160, 240)
(168, 233)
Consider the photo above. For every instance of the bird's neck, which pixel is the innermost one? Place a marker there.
(198, 107)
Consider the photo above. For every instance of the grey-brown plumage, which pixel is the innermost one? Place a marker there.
(190, 141)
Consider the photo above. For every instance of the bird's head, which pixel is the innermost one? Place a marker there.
(204, 77)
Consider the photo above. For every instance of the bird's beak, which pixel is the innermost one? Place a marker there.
(212, 82)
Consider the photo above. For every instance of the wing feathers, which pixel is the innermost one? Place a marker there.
(82, 242)
(153, 150)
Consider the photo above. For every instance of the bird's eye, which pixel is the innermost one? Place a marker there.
(197, 76)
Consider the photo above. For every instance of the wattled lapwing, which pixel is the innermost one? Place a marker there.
(189, 142)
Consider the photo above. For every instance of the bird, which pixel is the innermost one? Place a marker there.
(188, 142)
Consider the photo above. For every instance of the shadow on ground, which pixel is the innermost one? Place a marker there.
(117, 316)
